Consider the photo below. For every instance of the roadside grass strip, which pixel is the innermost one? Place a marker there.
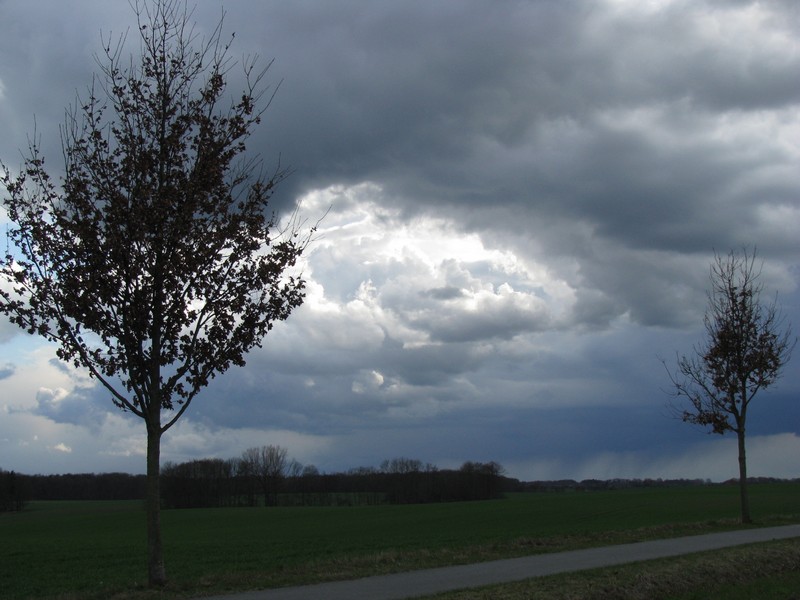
(767, 571)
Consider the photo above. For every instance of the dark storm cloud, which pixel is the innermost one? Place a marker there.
(531, 118)
(458, 106)
(464, 97)
(524, 199)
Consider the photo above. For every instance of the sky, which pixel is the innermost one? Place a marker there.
(521, 203)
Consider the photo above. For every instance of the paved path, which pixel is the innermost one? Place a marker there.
(432, 581)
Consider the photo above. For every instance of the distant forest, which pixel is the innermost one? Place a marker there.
(264, 477)
(214, 482)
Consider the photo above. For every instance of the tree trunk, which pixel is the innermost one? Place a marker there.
(745, 501)
(156, 573)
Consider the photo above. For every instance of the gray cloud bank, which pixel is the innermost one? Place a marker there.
(524, 199)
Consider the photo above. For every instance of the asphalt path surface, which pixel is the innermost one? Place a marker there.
(444, 579)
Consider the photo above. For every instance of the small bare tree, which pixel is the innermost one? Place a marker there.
(401, 465)
(156, 264)
(746, 347)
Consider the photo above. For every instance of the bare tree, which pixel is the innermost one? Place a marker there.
(746, 347)
(265, 467)
(294, 469)
(272, 469)
(155, 264)
(310, 471)
(401, 465)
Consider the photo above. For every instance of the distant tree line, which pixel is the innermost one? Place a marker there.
(267, 476)
(87, 486)
(590, 485)
(593, 485)
(17, 489)
(402, 481)
(14, 491)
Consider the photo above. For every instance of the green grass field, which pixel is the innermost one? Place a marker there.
(97, 549)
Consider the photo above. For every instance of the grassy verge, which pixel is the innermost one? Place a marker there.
(769, 571)
(97, 550)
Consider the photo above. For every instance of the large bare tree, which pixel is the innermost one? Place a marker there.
(272, 466)
(746, 346)
(154, 263)
(264, 467)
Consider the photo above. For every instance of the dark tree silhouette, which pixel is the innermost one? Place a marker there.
(264, 467)
(747, 344)
(154, 264)
(272, 466)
